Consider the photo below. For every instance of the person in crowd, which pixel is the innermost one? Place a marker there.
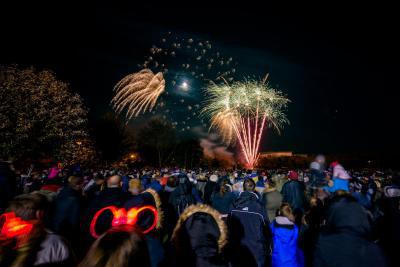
(111, 195)
(39, 246)
(340, 178)
(182, 197)
(201, 184)
(344, 239)
(285, 233)
(93, 188)
(210, 188)
(310, 229)
(293, 192)
(389, 232)
(120, 246)
(272, 200)
(222, 200)
(248, 228)
(67, 209)
(317, 175)
(199, 238)
(50, 189)
(7, 184)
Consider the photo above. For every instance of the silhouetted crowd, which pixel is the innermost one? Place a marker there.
(320, 216)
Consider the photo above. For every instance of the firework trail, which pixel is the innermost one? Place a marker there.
(138, 92)
(241, 111)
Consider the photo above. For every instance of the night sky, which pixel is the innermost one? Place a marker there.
(336, 65)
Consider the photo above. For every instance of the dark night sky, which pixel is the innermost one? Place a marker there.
(335, 64)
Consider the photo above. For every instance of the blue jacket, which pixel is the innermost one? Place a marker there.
(285, 251)
(248, 226)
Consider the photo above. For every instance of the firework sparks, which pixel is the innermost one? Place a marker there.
(241, 111)
(138, 92)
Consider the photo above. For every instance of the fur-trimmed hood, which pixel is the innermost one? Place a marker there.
(201, 215)
(157, 203)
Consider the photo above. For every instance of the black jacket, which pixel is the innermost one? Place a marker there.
(293, 193)
(248, 228)
(66, 211)
(343, 242)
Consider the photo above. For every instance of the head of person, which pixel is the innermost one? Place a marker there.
(29, 207)
(199, 233)
(293, 175)
(120, 246)
(270, 185)
(286, 211)
(21, 249)
(320, 159)
(135, 186)
(224, 186)
(99, 179)
(249, 185)
(114, 181)
(75, 182)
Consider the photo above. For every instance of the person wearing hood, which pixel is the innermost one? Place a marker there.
(343, 241)
(293, 192)
(199, 238)
(285, 252)
(272, 200)
(248, 228)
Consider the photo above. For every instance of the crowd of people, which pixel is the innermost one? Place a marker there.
(320, 216)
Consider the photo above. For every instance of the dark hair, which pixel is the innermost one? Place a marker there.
(249, 185)
(120, 246)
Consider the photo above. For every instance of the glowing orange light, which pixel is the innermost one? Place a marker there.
(122, 217)
(14, 226)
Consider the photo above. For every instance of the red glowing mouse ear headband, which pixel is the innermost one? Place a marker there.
(13, 226)
(123, 217)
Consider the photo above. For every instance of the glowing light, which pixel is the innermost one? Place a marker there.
(241, 111)
(123, 217)
(14, 226)
(138, 92)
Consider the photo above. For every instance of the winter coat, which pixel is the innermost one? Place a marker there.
(293, 193)
(317, 178)
(182, 197)
(67, 212)
(248, 225)
(7, 184)
(343, 241)
(285, 252)
(209, 189)
(199, 238)
(222, 203)
(272, 200)
(110, 196)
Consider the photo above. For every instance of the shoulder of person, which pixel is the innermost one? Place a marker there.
(53, 249)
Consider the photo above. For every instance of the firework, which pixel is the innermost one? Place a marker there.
(138, 92)
(241, 111)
